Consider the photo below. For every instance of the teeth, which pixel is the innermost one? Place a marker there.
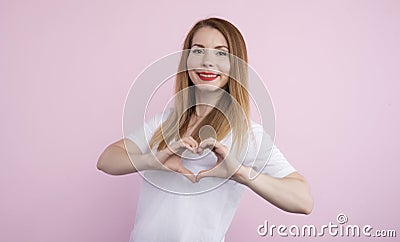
(207, 76)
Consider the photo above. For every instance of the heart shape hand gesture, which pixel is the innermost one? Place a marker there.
(171, 156)
(171, 159)
(226, 165)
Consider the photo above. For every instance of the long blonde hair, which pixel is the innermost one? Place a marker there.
(233, 117)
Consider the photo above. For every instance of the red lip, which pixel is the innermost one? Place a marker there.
(207, 76)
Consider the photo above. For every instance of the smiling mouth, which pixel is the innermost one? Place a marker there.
(207, 76)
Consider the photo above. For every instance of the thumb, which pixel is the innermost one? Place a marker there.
(204, 173)
(187, 173)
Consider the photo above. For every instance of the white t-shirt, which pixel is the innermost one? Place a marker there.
(172, 208)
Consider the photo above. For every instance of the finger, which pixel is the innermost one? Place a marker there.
(207, 143)
(200, 150)
(179, 147)
(187, 173)
(194, 142)
(189, 143)
(192, 149)
(205, 173)
(216, 147)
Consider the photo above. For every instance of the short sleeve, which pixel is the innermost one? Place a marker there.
(264, 156)
(277, 165)
(142, 135)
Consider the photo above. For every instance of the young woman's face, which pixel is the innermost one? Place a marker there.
(208, 60)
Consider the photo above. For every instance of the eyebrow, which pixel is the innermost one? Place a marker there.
(216, 47)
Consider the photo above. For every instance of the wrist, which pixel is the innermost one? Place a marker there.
(153, 161)
(242, 175)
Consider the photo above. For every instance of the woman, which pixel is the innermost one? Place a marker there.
(210, 93)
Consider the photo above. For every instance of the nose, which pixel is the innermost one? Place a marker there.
(207, 60)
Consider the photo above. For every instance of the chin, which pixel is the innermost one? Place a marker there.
(207, 87)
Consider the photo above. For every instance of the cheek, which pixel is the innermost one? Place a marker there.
(224, 80)
(224, 67)
(192, 76)
(193, 62)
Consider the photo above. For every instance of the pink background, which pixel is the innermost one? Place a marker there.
(332, 68)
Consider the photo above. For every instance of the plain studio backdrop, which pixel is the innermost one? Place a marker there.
(66, 67)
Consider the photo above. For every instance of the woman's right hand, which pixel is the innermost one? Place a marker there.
(170, 158)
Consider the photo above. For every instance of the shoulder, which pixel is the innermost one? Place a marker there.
(260, 140)
(258, 132)
(156, 120)
(255, 127)
(256, 141)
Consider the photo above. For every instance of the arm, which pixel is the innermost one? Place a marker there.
(118, 159)
(115, 159)
(290, 193)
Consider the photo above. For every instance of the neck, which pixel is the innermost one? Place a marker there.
(206, 100)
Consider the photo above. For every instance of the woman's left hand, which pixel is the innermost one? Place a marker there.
(226, 165)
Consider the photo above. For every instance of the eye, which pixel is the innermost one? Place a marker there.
(197, 51)
(222, 53)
